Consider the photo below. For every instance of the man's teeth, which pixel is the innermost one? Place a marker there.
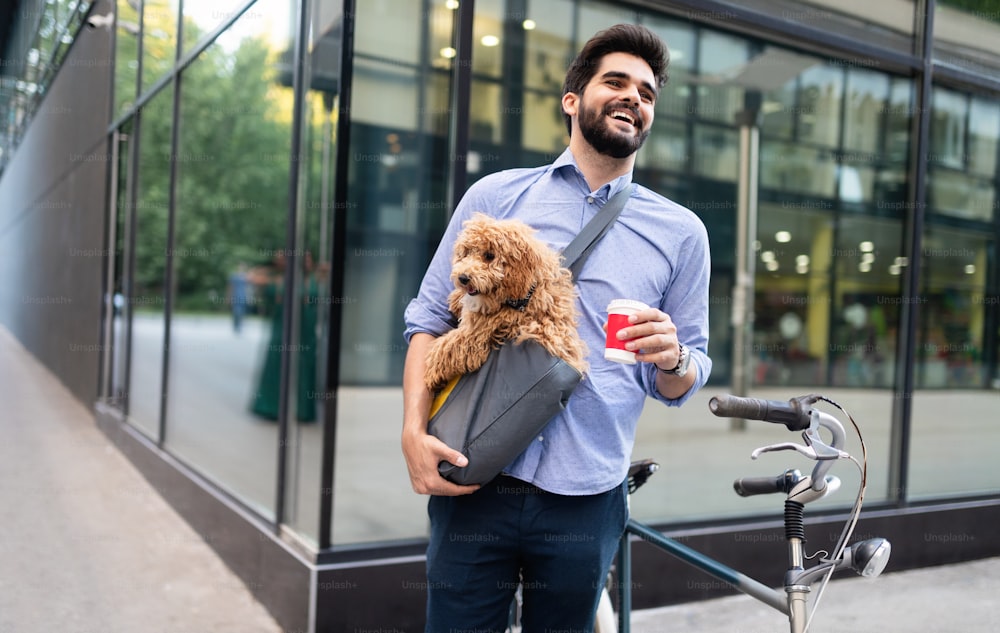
(621, 116)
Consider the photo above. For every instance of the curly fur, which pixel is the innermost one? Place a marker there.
(496, 261)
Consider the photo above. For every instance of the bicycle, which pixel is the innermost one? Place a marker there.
(867, 558)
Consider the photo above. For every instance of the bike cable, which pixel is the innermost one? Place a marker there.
(845, 535)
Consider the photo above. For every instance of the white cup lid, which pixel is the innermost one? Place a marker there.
(626, 305)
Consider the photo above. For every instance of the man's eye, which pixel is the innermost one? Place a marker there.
(488, 256)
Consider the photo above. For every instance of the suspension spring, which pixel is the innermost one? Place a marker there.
(794, 525)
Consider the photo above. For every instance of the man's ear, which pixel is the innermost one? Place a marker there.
(570, 103)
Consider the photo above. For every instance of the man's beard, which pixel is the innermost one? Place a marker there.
(596, 130)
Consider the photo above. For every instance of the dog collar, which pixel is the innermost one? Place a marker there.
(520, 304)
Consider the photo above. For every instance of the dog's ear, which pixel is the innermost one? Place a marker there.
(477, 219)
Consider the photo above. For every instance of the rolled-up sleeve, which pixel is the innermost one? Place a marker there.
(687, 304)
(428, 311)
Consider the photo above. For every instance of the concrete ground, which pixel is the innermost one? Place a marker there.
(959, 598)
(87, 545)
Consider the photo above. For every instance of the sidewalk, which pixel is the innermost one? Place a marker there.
(88, 545)
(948, 599)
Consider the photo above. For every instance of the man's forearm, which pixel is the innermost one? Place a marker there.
(417, 397)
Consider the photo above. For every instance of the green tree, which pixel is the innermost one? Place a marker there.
(233, 167)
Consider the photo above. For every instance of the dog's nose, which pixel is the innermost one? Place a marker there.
(463, 279)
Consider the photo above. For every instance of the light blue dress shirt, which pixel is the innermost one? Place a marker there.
(657, 252)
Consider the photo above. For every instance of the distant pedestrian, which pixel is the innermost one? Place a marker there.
(240, 295)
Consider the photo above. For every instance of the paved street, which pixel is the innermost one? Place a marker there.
(88, 546)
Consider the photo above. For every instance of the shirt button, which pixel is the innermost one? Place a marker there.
(541, 438)
(590, 199)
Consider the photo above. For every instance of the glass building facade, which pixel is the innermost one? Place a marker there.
(280, 172)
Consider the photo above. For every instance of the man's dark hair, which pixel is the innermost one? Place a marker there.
(621, 38)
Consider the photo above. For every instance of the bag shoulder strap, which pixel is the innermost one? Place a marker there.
(577, 252)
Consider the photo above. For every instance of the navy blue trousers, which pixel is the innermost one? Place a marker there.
(482, 545)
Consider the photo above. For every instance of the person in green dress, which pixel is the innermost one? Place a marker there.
(271, 288)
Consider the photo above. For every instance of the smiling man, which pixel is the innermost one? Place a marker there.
(553, 518)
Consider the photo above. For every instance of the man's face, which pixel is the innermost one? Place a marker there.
(615, 111)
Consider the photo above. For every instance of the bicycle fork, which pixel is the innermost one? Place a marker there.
(797, 593)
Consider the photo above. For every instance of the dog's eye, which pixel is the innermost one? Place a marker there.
(488, 256)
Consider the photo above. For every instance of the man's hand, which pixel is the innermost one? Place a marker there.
(654, 340)
(423, 453)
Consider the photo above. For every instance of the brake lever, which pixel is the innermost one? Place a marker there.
(815, 448)
(808, 451)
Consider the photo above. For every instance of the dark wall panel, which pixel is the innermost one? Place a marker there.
(52, 219)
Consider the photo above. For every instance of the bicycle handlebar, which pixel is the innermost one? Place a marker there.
(750, 486)
(794, 414)
(797, 415)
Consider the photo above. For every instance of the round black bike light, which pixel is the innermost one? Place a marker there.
(870, 557)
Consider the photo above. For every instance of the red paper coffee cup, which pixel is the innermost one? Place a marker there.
(619, 311)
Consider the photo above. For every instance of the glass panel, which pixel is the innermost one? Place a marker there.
(952, 326)
(819, 102)
(544, 129)
(318, 209)
(675, 98)
(984, 134)
(866, 102)
(798, 169)
(967, 35)
(159, 39)
(960, 195)
(954, 413)
(149, 277)
(720, 56)
(547, 48)
(488, 39)
(777, 112)
(962, 160)
(484, 112)
(120, 306)
(200, 18)
(792, 306)
(395, 216)
(716, 152)
(229, 259)
(887, 23)
(866, 311)
(595, 16)
(948, 120)
(666, 148)
(126, 57)
(694, 447)
(378, 37)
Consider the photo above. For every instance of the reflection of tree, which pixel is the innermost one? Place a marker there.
(233, 165)
(985, 9)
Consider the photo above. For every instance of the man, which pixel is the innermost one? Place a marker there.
(553, 519)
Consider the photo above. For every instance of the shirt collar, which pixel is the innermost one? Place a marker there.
(566, 164)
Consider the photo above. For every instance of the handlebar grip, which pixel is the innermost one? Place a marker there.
(794, 414)
(750, 486)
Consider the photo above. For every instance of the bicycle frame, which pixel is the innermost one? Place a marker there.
(868, 558)
(736, 579)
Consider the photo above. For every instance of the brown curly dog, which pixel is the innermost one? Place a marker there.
(509, 285)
